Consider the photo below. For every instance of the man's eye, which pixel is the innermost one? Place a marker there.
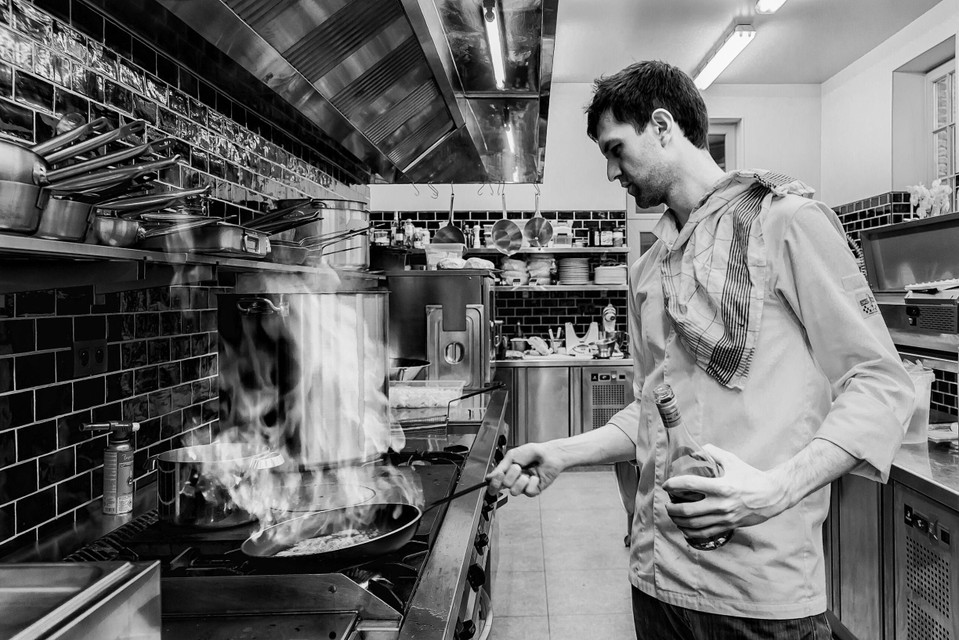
(615, 151)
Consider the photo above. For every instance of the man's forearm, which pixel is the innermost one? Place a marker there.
(598, 446)
(815, 466)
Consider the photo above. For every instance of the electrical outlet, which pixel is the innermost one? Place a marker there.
(89, 358)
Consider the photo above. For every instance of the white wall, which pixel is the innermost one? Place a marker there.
(779, 127)
(857, 140)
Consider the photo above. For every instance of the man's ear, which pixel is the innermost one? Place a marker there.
(663, 124)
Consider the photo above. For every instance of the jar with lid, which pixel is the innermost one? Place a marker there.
(605, 236)
(618, 236)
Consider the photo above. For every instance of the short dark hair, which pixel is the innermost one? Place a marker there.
(634, 93)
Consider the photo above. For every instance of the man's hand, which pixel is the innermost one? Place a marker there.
(742, 497)
(527, 469)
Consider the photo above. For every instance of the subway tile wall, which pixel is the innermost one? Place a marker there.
(161, 371)
(61, 56)
(880, 211)
(537, 311)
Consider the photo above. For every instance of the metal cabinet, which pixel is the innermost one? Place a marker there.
(543, 403)
(856, 560)
(926, 579)
(507, 376)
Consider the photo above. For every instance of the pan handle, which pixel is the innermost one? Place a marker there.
(135, 126)
(60, 141)
(96, 163)
(260, 306)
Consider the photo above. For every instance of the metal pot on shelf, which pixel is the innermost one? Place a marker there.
(340, 219)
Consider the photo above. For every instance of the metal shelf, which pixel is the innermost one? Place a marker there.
(556, 250)
(561, 287)
(28, 264)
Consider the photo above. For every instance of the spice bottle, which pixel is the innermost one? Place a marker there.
(117, 465)
(686, 457)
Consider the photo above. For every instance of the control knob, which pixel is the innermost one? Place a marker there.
(464, 630)
(482, 541)
(475, 576)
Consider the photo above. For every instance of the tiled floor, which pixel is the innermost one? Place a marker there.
(563, 566)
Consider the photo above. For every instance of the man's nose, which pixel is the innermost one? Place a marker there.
(612, 171)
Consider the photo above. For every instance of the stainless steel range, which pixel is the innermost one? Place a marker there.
(437, 586)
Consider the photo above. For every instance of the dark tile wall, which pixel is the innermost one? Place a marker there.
(880, 211)
(161, 372)
(62, 56)
(538, 311)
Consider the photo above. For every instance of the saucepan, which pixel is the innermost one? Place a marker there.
(507, 235)
(379, 528)
(195, 484)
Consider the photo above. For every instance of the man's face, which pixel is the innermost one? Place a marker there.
(636, 160)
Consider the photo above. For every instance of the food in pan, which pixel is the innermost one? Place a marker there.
(330, 542)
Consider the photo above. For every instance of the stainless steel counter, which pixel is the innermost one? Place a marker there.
(931, 469)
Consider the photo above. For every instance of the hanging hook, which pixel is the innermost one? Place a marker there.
(536, 186)
(434, 192)
(413, 184)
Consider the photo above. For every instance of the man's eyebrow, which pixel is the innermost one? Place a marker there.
(606, 144)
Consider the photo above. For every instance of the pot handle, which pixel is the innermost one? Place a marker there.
(135, 126)
(96, 163)
(57, 142)
(262, 307)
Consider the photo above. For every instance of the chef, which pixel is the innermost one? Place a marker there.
(751, 306)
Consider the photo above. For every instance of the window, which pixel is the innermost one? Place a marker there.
(941, 127)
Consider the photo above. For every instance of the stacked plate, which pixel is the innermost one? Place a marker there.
(610, 275)
(574, 271)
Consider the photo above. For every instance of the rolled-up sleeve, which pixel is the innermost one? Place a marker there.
(872, 392)
(628, 418)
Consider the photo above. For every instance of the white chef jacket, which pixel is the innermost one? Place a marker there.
(824, 367)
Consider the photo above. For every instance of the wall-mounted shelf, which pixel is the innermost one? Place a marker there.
(478, 251)
(561, 287)
(29, 264)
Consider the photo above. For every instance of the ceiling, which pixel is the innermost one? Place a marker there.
(805, 42)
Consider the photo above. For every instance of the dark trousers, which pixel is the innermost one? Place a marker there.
(657, 620)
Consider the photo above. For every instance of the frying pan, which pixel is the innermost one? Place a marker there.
(448, 233)
(507, 236)
(538, 231)
(395, 523)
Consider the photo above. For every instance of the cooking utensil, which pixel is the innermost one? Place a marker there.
(219, 238)
(68, 134)
(448, 233)
(194, 484)
(108, 177)
(96, 163)
(304, 205)
(115, 232)
(389, 526)
(407, 368)
(138, 204)
(507, 236)
(288, 252)
(538, 230)
(134, 126)
(64, 218)
(338, 216)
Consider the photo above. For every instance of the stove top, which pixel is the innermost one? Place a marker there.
(190, 553)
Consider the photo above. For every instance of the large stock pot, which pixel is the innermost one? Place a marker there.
(338, 218)
(309, 372)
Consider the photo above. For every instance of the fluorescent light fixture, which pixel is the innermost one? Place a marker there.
(732, 46)
(510, 140)
(495, 41)
(769, 6)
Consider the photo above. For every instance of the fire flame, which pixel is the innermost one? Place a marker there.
(311, 385)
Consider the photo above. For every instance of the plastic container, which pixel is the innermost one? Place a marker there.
(436, 251)
(918, 430)
(417, 394)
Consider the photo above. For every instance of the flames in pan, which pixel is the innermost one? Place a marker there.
(311, 385)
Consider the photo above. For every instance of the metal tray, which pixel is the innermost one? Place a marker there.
(221, 239)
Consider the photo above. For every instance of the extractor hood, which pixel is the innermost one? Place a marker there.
(407, 86)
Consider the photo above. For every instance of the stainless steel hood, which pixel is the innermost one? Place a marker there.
(404, 85)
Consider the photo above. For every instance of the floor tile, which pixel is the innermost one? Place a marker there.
(606, 627)
(520, 593)
(587, 490)
(520, 628)
(519, 525)
(588, 592)
(584, 522)
(579, 554)
(521, 554)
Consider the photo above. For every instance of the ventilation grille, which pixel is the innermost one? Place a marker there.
(602, 416)
(922, 626)
(938, 318)
(605, 395)
(927, 574)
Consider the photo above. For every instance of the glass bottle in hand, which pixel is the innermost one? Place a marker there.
(686, 457)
